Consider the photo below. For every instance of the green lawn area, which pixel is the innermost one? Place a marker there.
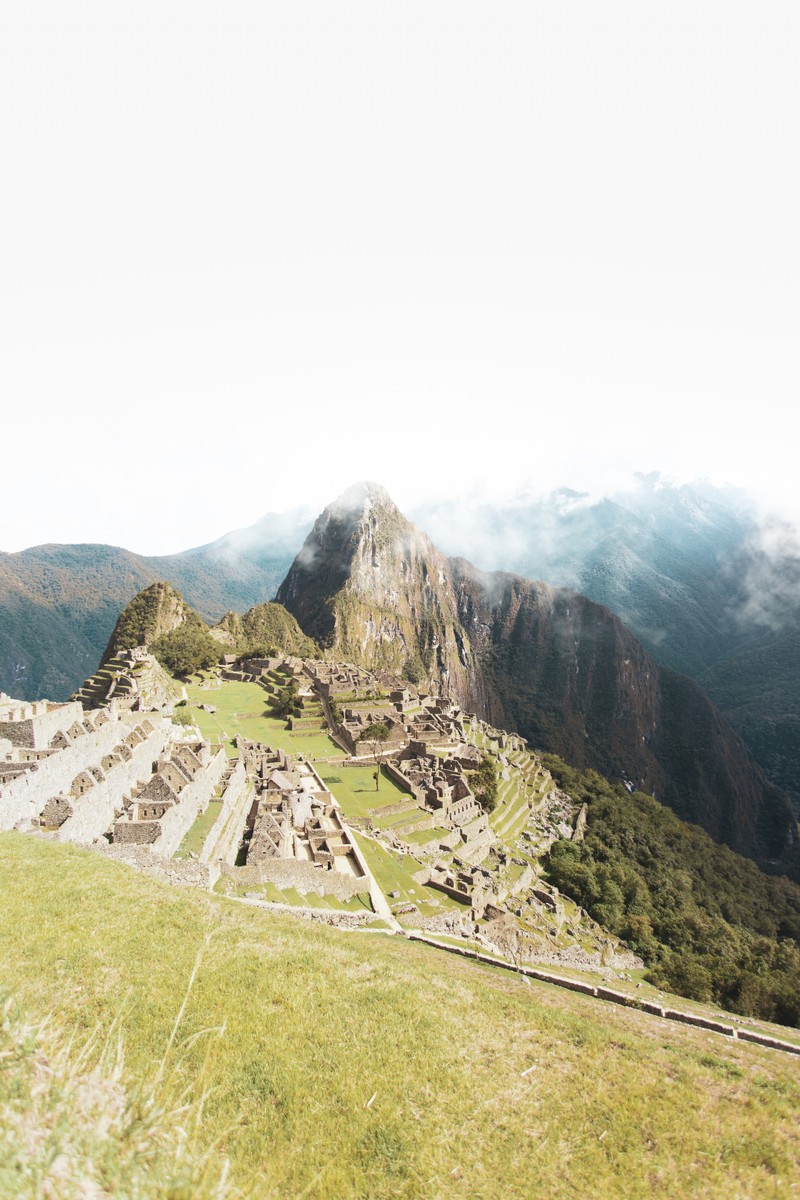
(513, 872)
(195, 837)
(398, 820)
(354, 788)
(240, 708)
(395, 872)
(421, 837)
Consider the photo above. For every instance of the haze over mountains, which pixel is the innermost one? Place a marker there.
(543, 661)
(687, 569)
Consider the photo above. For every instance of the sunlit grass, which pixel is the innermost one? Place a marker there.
(241, 709)
(196, 834)
(360, 1066)
(354, 788)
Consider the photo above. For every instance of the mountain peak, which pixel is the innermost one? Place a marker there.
(354, 542)
(363, 494)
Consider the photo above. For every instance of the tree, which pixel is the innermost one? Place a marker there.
(376, 736)
(187, 649)
(484, 782)
(414, 669)
(286, 703)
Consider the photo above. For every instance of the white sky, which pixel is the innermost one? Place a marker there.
(252, 252)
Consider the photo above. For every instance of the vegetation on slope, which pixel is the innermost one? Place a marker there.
(345, 1065)
(708, 922)
(187, 650)
(153, 612)
(58, 604)
(266, 629)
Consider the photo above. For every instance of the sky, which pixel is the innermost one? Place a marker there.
(253, 252)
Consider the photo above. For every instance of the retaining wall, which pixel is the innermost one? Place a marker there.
(22, 801)
(38, 731)
(192, 801)
(94, 812)
(622, 998)
(292, 873)
(223, 840)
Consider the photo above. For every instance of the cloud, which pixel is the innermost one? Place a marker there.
(766, 575)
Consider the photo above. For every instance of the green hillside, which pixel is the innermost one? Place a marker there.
(328, 1064)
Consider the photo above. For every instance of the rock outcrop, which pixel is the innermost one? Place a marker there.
(371, 585)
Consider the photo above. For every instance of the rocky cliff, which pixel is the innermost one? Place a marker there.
(543, 661)
(567, 674)
(372, 586)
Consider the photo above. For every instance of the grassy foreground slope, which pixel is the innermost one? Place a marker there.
(353, 1065)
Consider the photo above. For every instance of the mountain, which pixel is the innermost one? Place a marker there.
(59, 604)
(705, 586)
(152, 613)
(160, 619)
(543, 661)
(263, 629)
(372, 585)
(711, 589)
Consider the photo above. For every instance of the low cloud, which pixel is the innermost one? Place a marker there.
(767, 576)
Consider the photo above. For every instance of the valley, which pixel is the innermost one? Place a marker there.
(406, 751)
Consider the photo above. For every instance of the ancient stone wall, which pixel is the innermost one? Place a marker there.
(323, 916)
(38, 731)
(223, 840)
(136, 833)
(412, 826)
(94, 812)
(22, 801)
(400, 779)
(183, 872)
(192, 801)
(292, 873)
(394, 810)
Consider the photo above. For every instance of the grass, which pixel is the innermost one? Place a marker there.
(239, 711)
(423, 837)
(359, 1066)
(195, 837)
(399, 820)
(354, 788)
(394, 872)
(276, 895)
(70, 1127)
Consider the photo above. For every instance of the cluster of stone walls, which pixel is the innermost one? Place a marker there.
(223, 840)
(192, 801)
(292, 873)
(400, 779)
(22, 801)
(94, 812)
(38, 731)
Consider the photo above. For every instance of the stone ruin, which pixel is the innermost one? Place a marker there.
(108, 773)
(441, 788)
(293, 817)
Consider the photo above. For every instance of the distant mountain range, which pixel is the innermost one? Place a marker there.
(706, 589)
(59, 604)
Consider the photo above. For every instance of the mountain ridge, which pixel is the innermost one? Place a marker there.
(542, 661)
